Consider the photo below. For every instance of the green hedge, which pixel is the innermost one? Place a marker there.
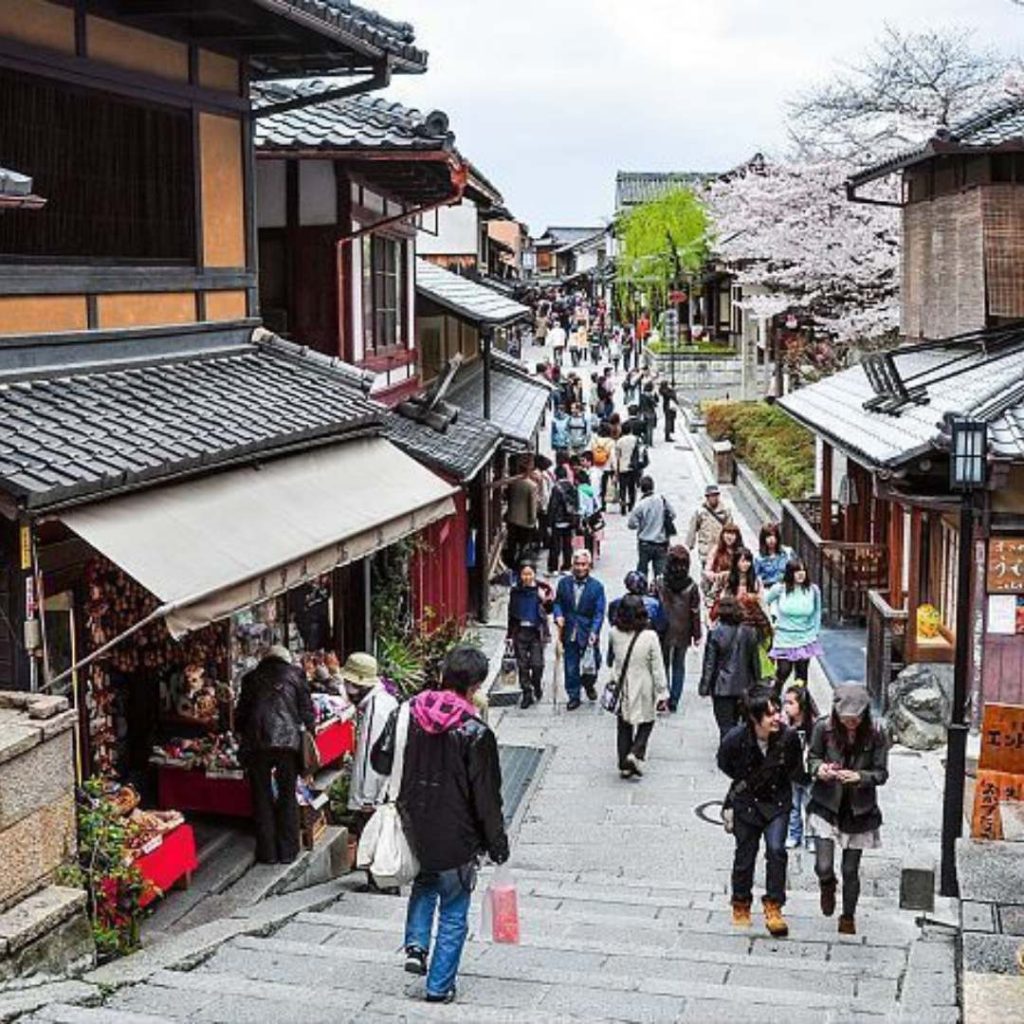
(775, 447)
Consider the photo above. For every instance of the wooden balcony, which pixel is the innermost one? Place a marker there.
(843, 570)
(886, 646)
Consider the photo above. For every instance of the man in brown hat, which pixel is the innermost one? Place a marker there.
(707, 521)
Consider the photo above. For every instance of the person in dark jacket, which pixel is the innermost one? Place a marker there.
(579, 613)
(680, 601)
(273, 709)
(731, 663)
(762, 757)
(649, 412)
(563, 515)
(450, 805)
(529, 605)
(848, 760)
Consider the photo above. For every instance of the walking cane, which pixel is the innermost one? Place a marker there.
(556, 679)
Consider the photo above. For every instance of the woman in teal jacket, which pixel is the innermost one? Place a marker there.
(797, 606)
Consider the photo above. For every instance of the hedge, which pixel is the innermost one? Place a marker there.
(774, 446)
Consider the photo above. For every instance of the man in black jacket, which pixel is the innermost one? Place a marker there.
(762, 757)
(450, 804)
(272, 711)
(563, 514)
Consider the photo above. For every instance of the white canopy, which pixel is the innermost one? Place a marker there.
(210, 547)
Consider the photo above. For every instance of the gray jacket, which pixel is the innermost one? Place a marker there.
(648, 519)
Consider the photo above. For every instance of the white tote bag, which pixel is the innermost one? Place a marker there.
(383, 847)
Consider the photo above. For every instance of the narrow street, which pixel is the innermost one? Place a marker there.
(623, 895)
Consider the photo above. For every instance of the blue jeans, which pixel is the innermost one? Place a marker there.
(748, 841)
(675, 666)
(801, 797)
(451, 889)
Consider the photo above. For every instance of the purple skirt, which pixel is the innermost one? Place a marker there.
(805, 651)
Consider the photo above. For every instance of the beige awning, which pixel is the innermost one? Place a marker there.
(210, 547)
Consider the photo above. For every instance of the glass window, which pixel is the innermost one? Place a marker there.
(384, 287)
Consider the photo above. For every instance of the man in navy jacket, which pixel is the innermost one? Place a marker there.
(579, 613)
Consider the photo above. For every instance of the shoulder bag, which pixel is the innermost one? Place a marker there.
(309, 753)
(611, 695)
(668, 519)
(384, 849)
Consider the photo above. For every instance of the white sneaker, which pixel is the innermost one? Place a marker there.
(636, 764)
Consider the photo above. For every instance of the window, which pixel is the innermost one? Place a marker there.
(117, 175)
(384, 298)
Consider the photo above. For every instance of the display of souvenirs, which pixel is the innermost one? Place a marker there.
(329, 706)
(214, 754)
(253, 632)
(147, 828)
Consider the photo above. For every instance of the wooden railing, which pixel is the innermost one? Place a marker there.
(843, 570)
(887, 631)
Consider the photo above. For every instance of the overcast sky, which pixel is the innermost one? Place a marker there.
(551, 97)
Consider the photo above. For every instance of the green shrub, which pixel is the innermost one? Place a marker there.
(773, 445)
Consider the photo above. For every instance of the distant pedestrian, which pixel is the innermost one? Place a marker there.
(718, 566)
(557, 341)
(731, 664)
(636, 661)
(563, 516)
(680, 599)
(603, 449)
(848, 761)
(626, 448)
(615, 350)
(772, 557)
(706, 523)
(579, 615)
(521, 514)
(636, 586)
(800, 714)
(578, 427)
(649, 412)
(762, 757)
(653, 519)
(669, 408)
(450, 805)
(797, 604)
(529, 605)
(742, 582)
(560, 430)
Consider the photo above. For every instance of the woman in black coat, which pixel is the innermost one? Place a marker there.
(731, 663)
(848, 761)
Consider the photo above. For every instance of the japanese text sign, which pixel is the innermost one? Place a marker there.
(1006, 565)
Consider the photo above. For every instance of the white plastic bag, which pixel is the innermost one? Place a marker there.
(499, 913)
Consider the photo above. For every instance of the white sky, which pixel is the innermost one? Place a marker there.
(550, 97)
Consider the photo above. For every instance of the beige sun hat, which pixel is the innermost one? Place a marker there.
(360, 669)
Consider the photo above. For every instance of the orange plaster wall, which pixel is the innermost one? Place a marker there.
(127, 47)
(39, 23)
(30, 314)
(220, 139)
(218, 72)
(146, 309)
(226, 305)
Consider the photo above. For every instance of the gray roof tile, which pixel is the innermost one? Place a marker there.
(459, 450)
(82, 433)
(467, 299)
(635, 187)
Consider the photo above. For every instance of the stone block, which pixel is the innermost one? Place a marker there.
(65, 948)
(39, 913)
(16, 700)
(917, 887)
(63, 722)
(42, 774)
(990, 872)
(34, 847)
(1011, 918)
(45, 706)
(977, 917)
(992, 954)
(16, 737)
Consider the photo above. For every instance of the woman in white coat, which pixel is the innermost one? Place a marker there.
(636, 658)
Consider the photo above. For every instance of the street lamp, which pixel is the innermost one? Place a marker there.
(967, 471)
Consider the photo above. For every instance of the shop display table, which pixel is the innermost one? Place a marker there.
(227, 793)
(170, 859)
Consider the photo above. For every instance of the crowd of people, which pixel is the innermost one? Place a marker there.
(795, 778)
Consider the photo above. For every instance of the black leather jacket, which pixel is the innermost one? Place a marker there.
(761, 782)
(731, 662)
(450, 800)
(273, 707)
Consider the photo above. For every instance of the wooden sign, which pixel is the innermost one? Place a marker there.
(990, 790)
(1002, 739)
(1005, 565)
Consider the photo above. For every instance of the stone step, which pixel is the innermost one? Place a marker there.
(485, 979)
(66, 1013)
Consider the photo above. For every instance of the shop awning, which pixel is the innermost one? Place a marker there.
(213, 546)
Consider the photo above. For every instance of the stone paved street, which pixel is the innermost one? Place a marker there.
(624, 898)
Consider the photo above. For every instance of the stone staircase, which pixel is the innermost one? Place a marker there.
(593, 949)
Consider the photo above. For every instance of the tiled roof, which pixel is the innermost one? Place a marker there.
(81, 432)
(459, 449)
(351, 123)
(361, 25)
(562, 235)
(518, 401)
(467, 299)
(977, 386)
(635, 187)
(998, 125)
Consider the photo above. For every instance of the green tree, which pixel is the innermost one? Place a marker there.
(660, 242)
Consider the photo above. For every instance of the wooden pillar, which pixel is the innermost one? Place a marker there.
(914, 582)
(895, 554)
(826, 491)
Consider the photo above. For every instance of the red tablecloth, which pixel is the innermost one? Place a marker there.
(171, 861)
(336, 740)
(184, 789)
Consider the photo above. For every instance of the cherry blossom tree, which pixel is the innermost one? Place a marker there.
(788, 231)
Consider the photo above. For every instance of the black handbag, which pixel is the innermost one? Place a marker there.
(611, 695)
(668, 520)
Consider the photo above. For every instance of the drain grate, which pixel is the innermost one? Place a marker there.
(518, 767)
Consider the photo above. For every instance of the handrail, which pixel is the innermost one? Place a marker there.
(882, 606)
(801, 523)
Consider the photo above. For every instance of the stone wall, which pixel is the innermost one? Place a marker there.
(701, 377)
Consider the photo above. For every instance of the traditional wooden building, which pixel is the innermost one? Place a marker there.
(883, 535)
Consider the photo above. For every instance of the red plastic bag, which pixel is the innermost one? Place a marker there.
(500, 911)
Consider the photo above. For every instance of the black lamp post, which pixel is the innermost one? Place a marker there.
(967, 470)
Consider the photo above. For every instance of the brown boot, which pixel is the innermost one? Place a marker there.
(828, 897)
(741, 913)
(847, 924)
(773, 919)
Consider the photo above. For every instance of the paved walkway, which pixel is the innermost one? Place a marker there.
(624, 899)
